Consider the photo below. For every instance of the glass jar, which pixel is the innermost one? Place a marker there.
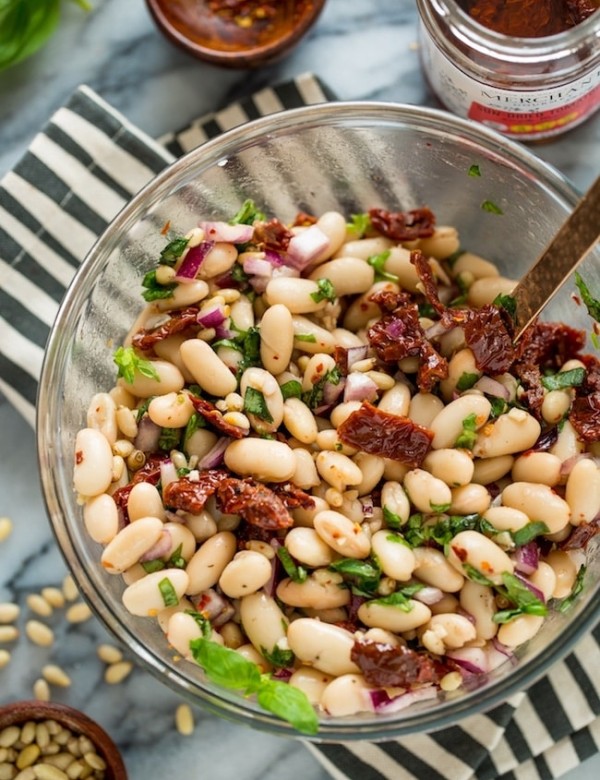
(526, 88)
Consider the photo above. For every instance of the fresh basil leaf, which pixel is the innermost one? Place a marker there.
(520, 595)
(225, 667)
(567, 602)
(151, 566)
(400, 598)
(506, 615)
(254, 403)
(308, 338)
(468, 437)
(392, 520)
(564, 379)
(230, 343)
(474, 170)
(314, 398)
(195, 422)
(476, 576)
(202, 621)
(359, 224)
(173, 251)
(277, 657)
(466, 381)
(291, 389)
(377, 262)
(176, 560)
(154, 290)
(506, 302)
(499, 407)
(250, 349)
(169, 439)
(294, 572)
(364, 575)
(326, 291)
(248, 214)
(592, 304)
(168, 593)
(491, 207)
(427, 310)
(238, 274)
(25, 26)
(439, 508)
(289, 703)
(128, 362)
(529, 532)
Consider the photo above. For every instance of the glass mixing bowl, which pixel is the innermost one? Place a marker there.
(346, 156)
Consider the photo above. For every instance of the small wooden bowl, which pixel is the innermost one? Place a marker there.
(20, 712)
(203, 33)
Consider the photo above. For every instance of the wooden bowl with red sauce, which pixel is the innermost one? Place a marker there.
(235, 33)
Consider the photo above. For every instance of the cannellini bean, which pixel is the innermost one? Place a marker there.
(276, 339)
(395, 558)
(307, 547)
(479, 602)
(389, 617)
(338, 470)
(424, 408)
(394, 470)
(310, 337)
(333, 224)
(462, 364)
(362, 310)
(345, 338)
(102, 415)
(454, 630)
(305, 517)
(538, 502)
(519, 630)
(474, 265)
(122, 397)
(200, 442)
(555, 405)
(168, 349)
(506, 518)
(443, 243)
(348, 694)
(184, 295)
(182, 539)
(398, 264)
(487, 289)
(305, 476)
(426, 492)
(396, 400)
(565, 570)
(145, 597)
(263, 621)
(322, 589)
(364, 247)
(568, 443)
(295, 294)
(476, 550)
(245, 574)
(470, 499)
(145, 501)
(544, 578)
(395, 500)
(454, 467)
(341, 534)
(542, 467)
(207, 368)
(202, 526)
(218, 260)
(489, 470)
(311, 682)
(322, 645)
(265, 383)
(208, 562)
(299, 421)
(170, 380)
(172, 410)
(92, 473)
(250, 653)
(447, 426)
(349, 275)
(164, 615)
(242, 313)
(317, 367)
(263, 459)
(232, 635)
(101, 518)
(133, 574)
(433, 569)
(128, 546)
(372, 468)
(513, 432)
(341, 412)
(583, 492)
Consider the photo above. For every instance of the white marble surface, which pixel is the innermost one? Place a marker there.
(361, 49)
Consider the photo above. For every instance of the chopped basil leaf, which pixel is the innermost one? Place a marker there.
(306, 337)
(592, 304)
(195, 390)
(150, 566)
(506, 302)
(289, 703)
(499, 407)
(525, 601)
(154, 290)
(391, 518)
(278, 657)
(377, 262)
(595, 339)
(251, 350)
(439, 508)
(468, 437)
(128, 362)
(567, 602)
(491, 207)
(400, 598)
(254, 403)
(564, 379)
(238, 274)
(291, 389)
(168, 593)
(476, 576)
(202, 621)
(427, 310)
(314, 398)
(529, 532)
(169, 438)
(359, 224)
(294, 572)
(451, 259)
(474, 170)
(183, 472)
(177, 561)
(173, 251)
(230, 343)
(397, 539)
(326, 291)
(364, 575)
(142, 409)
(195, 422)
(466, 381)
(248, 214)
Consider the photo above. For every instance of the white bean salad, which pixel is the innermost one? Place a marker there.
(327, 471)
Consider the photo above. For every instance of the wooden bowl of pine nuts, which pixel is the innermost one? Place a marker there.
(50, 741)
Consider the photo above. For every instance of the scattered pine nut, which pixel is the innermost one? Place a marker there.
(109, 654)
(5, 528)
(39, 605)
(41, 690)
(54, 597)
(56, 676)
(116, 673)
(451, 681)
(184, 720)
(8, 633)
(4, 658)
(9, 612)
(39, 633)
(69, 588)
(78, 613)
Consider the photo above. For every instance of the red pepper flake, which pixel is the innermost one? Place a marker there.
(460, 553)
(78, 457)
(165, 228)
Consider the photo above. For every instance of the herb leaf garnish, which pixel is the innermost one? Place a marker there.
(326, 291)
(128, 362)
(564, 379)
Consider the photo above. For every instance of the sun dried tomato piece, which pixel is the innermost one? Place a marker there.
(178, 321)
(302, 219)
(254, 502)
(403, 225)
(581, 535)
(427, 279)
(533, 390)
(585, 410)
(292, 496)
(191, 496)
(272, 235)
(214, 418)
(549, 345)
(391, 666)
(150, 471)
(389, 300)
(489, 340)
(388, 435)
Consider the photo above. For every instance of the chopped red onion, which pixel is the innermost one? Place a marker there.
(533, 588)
(355, 354)
(285, 270)
(259, 283)
(174, 517)
(428, 595)
(275, 258)
(193, 259)
(231, 234)
(282, 674)
(437, 329)
(470, 659)
(526, 558)
(359, 387)
(168, 473)
(223, 332)
(332, 392)
(256, 266)
(306, 246)
(497, 656)
(395, 329)
(160, 549)
(397, 703)
(567, 465)
(211, 318)
(492, 387)
(506, 651)
(148, 434)
(214, 457)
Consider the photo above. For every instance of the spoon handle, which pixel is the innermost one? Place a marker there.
(558, 261)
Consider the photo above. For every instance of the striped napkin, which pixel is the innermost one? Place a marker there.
(78, 172)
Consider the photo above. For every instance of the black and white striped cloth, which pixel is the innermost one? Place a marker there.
(78, 172)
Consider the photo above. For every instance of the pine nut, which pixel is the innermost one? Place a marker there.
(5, 528)
(54, 597)
(49, 772)
(451, 681)
(8, 633)
(4, 658)
(9, 612)
(26, 774)
(56, 676)
(69, 588)
(9, 735)
(42, 735)
(39, 633)
(116, 673)
(184, 720)
(27, 756)
(94, 760)
(39, 605)
(28, 733)
(41, 690)
(109, 654)
(78, 613)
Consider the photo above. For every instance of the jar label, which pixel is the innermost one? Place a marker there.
(522, 114)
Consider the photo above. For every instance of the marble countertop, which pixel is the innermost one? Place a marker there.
(359, 49)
